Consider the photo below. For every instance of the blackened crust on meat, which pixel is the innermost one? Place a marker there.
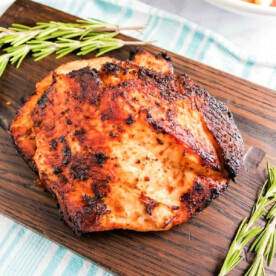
(111, 68)
(100, 158)
(43, 100)
(53, 143)
(84, 167)
(134, 52)
(62, 179)
(201, 195)
(163, 81)
(66, 154)
(57, 170)
(27, 159)
(219, 120)
(150, 203)
(129, 120)
(80, 135)
(90, 214)
(154, 124)
(160, 142)
(163, 55)
(90, 84)
(84, 71)
(80, 168)
(101, 188)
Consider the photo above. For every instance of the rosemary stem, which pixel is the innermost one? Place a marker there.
(271, 228)
(7, 32)
(76, 30)
(117, 29)
(261, 247)
(11, 32)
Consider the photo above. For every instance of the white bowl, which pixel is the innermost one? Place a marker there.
(244, 8)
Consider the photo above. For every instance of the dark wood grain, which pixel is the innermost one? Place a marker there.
(194, 248)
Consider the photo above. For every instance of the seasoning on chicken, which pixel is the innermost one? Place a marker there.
(127, 144)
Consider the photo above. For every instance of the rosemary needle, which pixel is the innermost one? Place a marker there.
(44, 39)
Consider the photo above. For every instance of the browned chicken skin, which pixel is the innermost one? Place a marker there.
(127, 144)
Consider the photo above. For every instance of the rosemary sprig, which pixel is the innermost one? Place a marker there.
(19, 34)
(61, 38)
(265, 242)
(264, 246)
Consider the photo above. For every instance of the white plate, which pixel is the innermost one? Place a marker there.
(241, 7)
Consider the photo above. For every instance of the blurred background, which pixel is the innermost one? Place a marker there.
(254, 34)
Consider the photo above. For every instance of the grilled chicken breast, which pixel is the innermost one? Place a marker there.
(127, 144)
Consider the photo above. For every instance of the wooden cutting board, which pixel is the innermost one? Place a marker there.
(194, 248)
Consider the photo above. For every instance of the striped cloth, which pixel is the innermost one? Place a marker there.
(23, 252)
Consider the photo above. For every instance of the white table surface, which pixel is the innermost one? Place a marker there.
(255, 35)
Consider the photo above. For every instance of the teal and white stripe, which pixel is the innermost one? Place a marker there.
(23, 252)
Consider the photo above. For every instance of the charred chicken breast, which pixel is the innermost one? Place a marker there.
(127, 144)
